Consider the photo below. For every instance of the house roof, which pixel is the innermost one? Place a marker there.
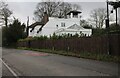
(42, 23)
(35, 24)
(72, 28)
(75, 26)
(74, 12)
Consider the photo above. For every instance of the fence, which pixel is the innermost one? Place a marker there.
(83, 44)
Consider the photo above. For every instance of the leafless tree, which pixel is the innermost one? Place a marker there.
(57, 9)
(98, 17)
(4, 13)
(49, 7)
(63, 9)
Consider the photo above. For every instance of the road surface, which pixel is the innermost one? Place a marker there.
(32, 63)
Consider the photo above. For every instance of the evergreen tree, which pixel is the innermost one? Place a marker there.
(13, 33)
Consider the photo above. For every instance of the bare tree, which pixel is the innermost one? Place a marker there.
(49, 7)
(98, 17)
(85, 24)
(66, 7)
(63, 9)
(57, 9)
(4, 13)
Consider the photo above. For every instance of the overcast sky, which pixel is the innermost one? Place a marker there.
(23, 8)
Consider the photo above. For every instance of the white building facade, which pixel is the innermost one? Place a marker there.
(59, 26)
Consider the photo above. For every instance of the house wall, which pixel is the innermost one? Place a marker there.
(51, 25)
(56, 23)
(86, 32)
(34, 32)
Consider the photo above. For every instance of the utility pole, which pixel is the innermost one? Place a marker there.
(27, 28)
(116, 16)
(115, 6)
(107, 28)
(107, 20)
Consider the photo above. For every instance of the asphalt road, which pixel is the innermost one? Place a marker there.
(31, 63)
(5, 71)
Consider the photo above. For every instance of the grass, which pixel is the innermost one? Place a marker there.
(86, 55)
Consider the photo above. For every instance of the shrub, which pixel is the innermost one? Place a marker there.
(13, 33)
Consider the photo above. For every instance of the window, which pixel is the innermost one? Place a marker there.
(57, 26)
(62, 24)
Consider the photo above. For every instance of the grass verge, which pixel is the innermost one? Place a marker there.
(86, 55)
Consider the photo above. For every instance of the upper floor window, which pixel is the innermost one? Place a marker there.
(62, 24)
(57, 26)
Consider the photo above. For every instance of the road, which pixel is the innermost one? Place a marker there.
(32, 63)
(5, 71)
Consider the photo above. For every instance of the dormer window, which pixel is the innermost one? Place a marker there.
(62, 24)
(75, 16)
(57, 26)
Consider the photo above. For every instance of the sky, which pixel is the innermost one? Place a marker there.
(24, 8)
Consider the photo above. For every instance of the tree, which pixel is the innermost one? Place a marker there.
(98, 17)
(55, 9)
(13, 32)
(4, 13)
(114, 29)
(85, 24)
(63, 9)
(49, 7)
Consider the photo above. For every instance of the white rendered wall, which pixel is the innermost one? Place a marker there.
(34, 32)
(51, 25)
(88, 32)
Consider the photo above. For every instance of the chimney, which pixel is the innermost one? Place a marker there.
(45, 18)
(71, 15)
(27, 28)
(44, 21)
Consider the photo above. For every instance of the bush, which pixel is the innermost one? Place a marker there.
(54, 37)
(113, 29)
(12, 33)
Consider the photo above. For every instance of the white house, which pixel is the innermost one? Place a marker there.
(73, 30)
(59, 26)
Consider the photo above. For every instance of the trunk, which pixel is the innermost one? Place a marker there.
(6, 21)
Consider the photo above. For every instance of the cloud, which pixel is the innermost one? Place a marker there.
(22, 10)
